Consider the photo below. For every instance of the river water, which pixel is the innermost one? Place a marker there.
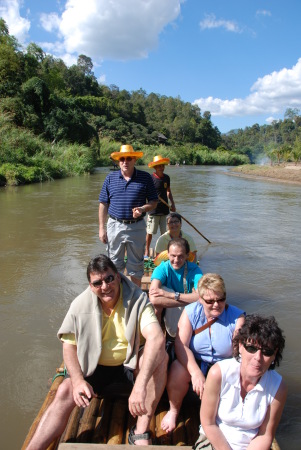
(48, 233)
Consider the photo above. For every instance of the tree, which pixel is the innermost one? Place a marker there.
(85, 64)
(9, 62)
(291, 113)
(296, 151)
(5, 37)
(54, 72)
(35, 96)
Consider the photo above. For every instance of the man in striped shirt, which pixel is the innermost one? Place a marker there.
(126, 195)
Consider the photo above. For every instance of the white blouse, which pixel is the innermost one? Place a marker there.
(240, 420)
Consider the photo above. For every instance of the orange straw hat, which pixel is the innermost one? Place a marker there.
(126, 150)
(158, 160)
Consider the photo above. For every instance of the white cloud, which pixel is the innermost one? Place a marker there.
(271, 94)
(101, 79)
(50, 22)
(18, 26)
(211, 21)
(101, 29)
(271, 119)
(263, 12)
(112, 29)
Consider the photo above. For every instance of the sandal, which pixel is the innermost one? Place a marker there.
(136, 437)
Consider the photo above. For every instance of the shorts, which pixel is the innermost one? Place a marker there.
(130, 238)
(103, 376)
(153, 222)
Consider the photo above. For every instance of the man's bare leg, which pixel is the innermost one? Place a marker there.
(154, 393)
(177, 387)
(135, 280)
(55, 418)
(148, 243)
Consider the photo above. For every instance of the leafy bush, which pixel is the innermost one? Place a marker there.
(15, 174)
(76, 159)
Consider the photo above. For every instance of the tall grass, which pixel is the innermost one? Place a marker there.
(26, 158)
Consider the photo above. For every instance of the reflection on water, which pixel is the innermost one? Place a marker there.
(48, 233)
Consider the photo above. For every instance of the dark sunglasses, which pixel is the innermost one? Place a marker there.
(128, 159)
(218, 300)
(109, 279)
(265, 351)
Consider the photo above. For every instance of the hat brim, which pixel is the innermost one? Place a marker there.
(159, 162)
(117, 155)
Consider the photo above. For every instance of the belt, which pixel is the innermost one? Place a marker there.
(126, 221)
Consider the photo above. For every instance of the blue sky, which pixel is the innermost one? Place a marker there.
(238, 59)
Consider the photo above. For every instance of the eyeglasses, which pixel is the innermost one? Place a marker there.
(173, 222)
(211, 302)
(127, 159)
(265, 351)
(108, 280)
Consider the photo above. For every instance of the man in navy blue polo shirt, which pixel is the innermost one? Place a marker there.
(126, 195)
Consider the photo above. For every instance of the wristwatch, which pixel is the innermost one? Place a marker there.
(177, 296)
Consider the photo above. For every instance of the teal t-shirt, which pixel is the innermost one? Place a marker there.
(173, 279)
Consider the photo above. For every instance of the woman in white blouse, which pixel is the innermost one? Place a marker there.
(244, 398)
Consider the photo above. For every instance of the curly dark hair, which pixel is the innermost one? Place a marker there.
(263, 331)
(99, 264)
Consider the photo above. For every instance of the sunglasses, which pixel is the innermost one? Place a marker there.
(211, 302)
(265, 351)
(127, 159)
(173, 222)
(108, 280)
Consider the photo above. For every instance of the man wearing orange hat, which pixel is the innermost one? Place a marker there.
(157, 217)
(126, 195)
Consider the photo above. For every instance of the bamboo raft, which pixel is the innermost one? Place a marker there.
(107, 421)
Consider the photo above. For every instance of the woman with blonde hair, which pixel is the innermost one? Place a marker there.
(204, 336)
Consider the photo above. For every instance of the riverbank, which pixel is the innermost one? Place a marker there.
(286, 173)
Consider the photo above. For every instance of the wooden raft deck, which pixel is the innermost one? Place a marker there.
(108, 421)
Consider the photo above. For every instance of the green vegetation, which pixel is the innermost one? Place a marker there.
(279, 142)
(57, 121)
(27, 158)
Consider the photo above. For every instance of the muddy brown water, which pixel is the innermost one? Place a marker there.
(48, 233)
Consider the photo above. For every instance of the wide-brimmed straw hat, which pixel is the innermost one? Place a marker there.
(126, 150)
(158, 160)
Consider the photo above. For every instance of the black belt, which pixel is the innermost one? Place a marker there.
(127, 221)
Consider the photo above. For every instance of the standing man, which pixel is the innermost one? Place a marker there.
(157, 217)
(126, 195)
(110, 334)
(174, 284)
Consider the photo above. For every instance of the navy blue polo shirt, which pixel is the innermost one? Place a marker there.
(122, 196)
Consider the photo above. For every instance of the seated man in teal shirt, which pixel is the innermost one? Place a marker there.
(174, 284)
